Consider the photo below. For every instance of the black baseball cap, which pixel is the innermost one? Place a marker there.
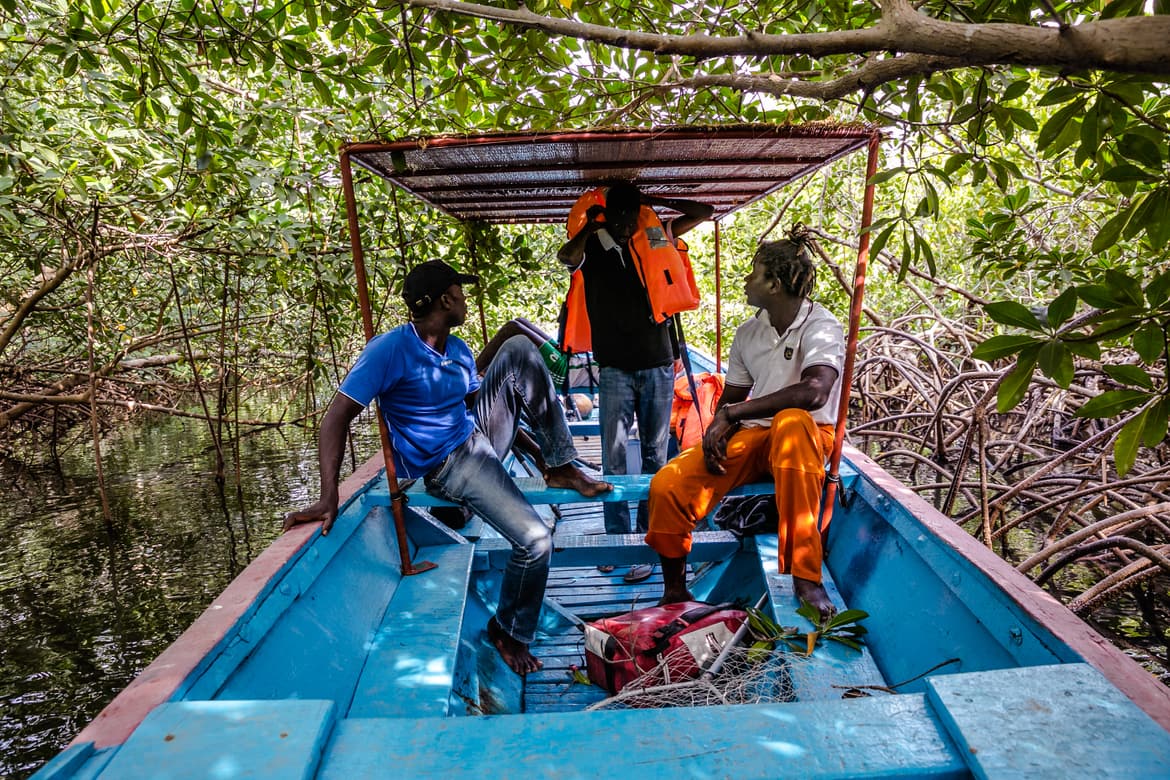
(427, 281)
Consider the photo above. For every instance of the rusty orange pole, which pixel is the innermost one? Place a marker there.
(397, 497)
(718, 307)
(854, 328)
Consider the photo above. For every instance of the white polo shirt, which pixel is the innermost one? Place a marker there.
(766, 361)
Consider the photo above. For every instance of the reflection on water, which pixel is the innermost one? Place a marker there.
(84, 606)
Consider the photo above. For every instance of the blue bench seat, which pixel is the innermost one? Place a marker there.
(410, 668)
(833, 667)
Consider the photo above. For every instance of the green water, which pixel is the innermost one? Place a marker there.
(84, 604)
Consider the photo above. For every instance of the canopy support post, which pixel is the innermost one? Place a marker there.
(854, 328)
(397, 496)
(718, 304)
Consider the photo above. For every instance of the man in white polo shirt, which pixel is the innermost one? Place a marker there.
(775, 419)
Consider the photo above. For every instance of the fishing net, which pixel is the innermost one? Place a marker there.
(743, 675)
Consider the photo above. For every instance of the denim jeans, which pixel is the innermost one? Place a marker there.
(624, 396)
(516, 386)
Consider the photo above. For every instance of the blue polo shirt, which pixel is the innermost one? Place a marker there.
(421, 394)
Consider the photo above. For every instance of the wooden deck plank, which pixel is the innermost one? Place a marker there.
(887, 737)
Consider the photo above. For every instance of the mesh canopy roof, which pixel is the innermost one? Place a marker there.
(536, 177)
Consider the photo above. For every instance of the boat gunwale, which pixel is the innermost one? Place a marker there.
(1121, 670)
(168, 673)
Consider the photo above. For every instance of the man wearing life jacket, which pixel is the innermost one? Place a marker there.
(775, 420)
(632, 347)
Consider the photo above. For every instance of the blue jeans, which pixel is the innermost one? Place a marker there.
(645, 394)
(516, 386)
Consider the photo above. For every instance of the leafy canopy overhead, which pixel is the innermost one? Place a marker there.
(207, 132)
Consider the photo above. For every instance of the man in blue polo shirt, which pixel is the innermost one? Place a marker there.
(451, 428)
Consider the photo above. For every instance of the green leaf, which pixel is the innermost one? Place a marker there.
(1086, 349)
(1127, 172)
(1098, 296)
(998, 347)
(1015, 384)
(1062, 308)
(1149, 341)
(1112, 403)
(848, 616)
(955, 162)
(1015, 90)
(1126, 446)
(1158, 290)
(1059, 94)
(1128, 289)
(887, 174)
(1156, 419)
(1129, 375)
(882, 239)
(1013, 313)
(1155, 217)
(1056, 363)
(1055, 127)
(1109, 233)
(1137, 147)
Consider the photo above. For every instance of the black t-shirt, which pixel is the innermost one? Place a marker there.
(624, 334)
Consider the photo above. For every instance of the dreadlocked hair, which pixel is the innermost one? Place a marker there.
(789, 260)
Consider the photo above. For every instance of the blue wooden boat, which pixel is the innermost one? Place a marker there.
(323, 660)
(337, 657)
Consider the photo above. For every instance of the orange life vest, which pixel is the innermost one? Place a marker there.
(689, 422)
(661, 260)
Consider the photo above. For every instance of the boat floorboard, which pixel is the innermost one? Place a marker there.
(588, 594)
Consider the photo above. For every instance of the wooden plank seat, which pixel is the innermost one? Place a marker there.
(627, 487)
(1057, 717)
(410, 668)
(886, 737)
(208, 739)
(833, 667)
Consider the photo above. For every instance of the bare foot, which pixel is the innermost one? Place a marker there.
(675, 596)
(514, 653)
(569, 476)
(816, 595)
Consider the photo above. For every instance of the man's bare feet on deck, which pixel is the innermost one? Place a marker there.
(674, 597)
(569, 476)
(514, 652)
(816, 595)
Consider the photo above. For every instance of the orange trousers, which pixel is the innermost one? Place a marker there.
(792, 451)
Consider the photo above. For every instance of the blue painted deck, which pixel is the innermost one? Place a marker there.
(345, 669)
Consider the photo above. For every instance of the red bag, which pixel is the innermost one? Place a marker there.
(621, 648)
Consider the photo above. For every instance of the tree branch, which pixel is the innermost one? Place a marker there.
(1128, 45)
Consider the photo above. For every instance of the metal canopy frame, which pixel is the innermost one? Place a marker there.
(534, 178)
(528, 178)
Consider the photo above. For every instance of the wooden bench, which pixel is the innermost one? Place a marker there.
(202, 739)
(410, 668)
(833, 667)
(887, 737)
(626, 487)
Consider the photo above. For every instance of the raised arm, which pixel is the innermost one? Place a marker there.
(692, 212)
(572, 252)
(330, 448)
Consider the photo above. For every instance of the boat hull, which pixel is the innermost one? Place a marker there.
(324, 641)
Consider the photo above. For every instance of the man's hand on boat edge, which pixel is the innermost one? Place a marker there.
(323, 512)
